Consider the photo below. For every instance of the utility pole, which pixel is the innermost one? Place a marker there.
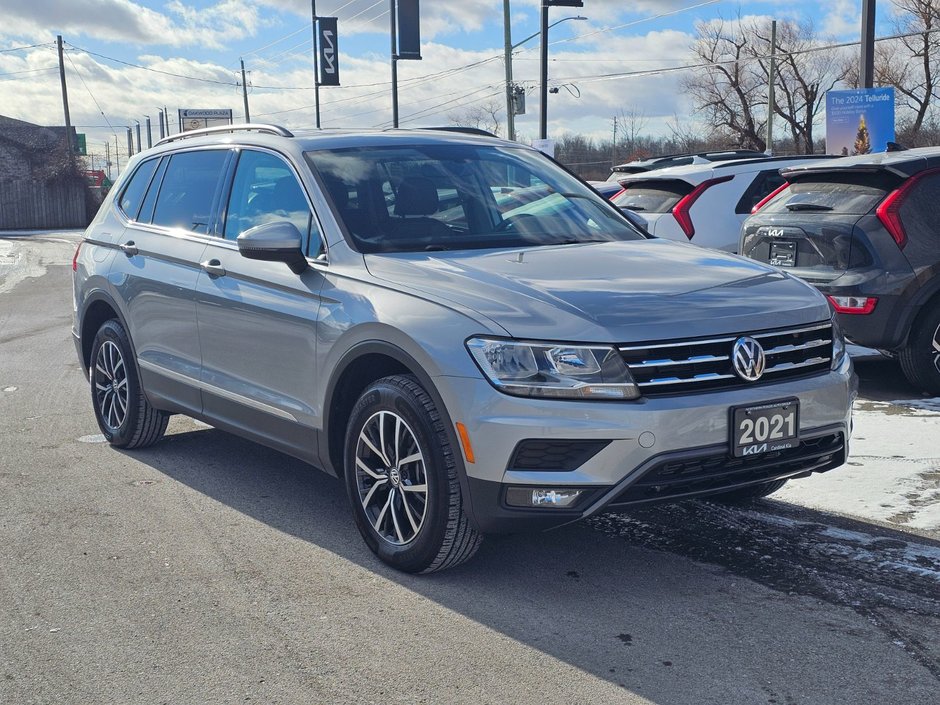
(162, 126)
(107, 157)
(316, 59)
(65, 100)
(507, 59)
(168, 133)
(866, 76)
(771, 98)
(245, 93)
(613, 145)
(149, 133)
(130, 143)
(543, 74)
(394, 34)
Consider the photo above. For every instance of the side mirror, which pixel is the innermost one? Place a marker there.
(279, 241)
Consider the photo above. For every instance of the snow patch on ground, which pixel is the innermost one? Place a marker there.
(893, 470)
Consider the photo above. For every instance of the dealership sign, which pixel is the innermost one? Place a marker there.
(859, 121)
(192, 119)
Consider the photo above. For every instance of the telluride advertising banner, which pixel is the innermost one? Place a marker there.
(859, 121)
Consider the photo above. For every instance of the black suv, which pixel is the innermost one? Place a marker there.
(865, 231)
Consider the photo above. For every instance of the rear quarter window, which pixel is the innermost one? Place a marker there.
(652, 196)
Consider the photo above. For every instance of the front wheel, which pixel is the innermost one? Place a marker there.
(920, 360)
(124, 415)
(401, 477)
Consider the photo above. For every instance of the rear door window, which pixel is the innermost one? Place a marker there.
(188, 189)
(764, 184)
(836, 193)
(659, 196)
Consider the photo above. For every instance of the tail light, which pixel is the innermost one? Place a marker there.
(75, 256)
(857, 305)
(889, 212)
(682, 208)
(769, 197)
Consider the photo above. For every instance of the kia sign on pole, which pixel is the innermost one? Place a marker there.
(859, 121)
(191, 119)
(329, 52)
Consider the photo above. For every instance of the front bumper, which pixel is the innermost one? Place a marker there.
(641, 437)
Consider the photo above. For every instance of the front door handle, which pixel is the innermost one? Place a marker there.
(129, 248)
(213, 267)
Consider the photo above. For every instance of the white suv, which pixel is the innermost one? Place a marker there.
(704, 203)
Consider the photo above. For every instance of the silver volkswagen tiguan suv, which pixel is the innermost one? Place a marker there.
(465, 333)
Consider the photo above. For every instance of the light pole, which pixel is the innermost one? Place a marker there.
(509, 48)
(543, 51)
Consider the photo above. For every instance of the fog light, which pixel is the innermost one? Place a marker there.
(541, 497)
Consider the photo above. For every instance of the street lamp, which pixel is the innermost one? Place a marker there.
(543, 51)
(509, 48)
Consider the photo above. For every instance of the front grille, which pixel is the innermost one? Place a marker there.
(672, 479)
(679, 367)
(554, 455)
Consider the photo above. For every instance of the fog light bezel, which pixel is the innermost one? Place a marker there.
(523, 497)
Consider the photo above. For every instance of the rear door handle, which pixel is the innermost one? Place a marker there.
(213, 267)
(129, 248)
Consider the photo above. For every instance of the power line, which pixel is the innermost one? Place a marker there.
(94, 100)
(152, 70)
(28, 46)
(16, 73)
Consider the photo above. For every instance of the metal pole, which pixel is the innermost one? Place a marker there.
(394, 35)
(866, 77)
(138, 135)
(130, 143)
(507, 59)
(149, 133)
(65, 100)
(107, 157)
(316, 59)
(162, 125)
(245, 93)
(543, 78)
(168, 133)
(771, 98)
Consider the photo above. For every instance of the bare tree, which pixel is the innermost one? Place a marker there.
(804, 76)
(915, 81)
(731, 94)
(482, 117)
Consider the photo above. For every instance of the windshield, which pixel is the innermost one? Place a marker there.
(453, 197)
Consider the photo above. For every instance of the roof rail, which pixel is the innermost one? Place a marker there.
(462, 129)
(248, 127)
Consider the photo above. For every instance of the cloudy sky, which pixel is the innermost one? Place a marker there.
(127, 58)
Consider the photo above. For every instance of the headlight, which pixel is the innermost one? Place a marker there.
(553, 370)
(838, 344)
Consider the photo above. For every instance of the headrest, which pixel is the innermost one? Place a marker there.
(416, 196)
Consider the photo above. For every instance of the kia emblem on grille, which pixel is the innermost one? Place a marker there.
(748, 358)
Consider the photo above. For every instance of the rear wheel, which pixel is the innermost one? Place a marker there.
(920, 360)
(124, 415)
(745, 494)
(401, 477)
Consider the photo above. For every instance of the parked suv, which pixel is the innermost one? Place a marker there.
(864, 230)
(638, 166)
(704, 203)
(363, 302)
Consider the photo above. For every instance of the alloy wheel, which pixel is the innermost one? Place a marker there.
(391, 477)
(110, 379)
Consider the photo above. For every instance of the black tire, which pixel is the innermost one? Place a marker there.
(127, 422)
(920, 360)
(746, 494)
(439, 535)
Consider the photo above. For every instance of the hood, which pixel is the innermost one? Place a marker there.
(614, 292)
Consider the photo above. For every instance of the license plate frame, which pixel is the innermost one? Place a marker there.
(783, 253)
(751, 440)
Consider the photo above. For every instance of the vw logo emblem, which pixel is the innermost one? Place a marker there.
(748, 358)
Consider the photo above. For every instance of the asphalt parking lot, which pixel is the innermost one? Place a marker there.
(207, 569)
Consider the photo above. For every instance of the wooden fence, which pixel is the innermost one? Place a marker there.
(36, 205)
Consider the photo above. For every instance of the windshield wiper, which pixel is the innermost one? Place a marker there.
(808, 207)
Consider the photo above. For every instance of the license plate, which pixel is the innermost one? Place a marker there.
(765, 427)
(783, 253)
